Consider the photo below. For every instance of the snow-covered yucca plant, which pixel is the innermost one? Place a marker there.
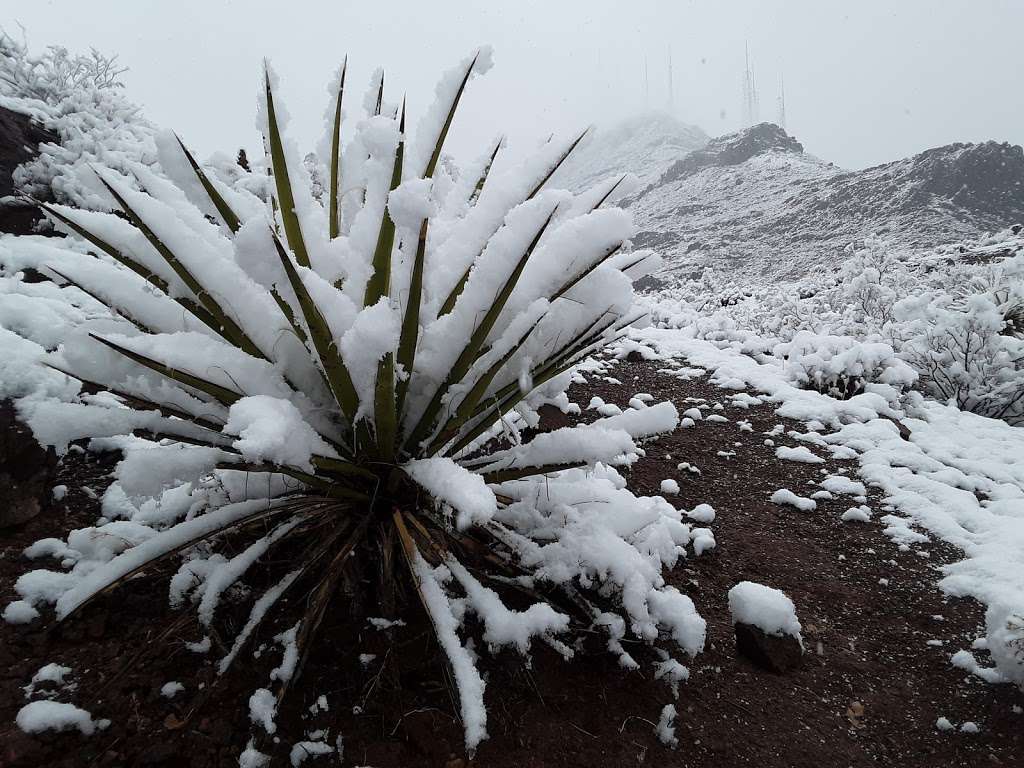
(349, 382)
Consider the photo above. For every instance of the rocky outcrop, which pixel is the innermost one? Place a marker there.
(733, 149)
(19, 139)
(776, 653)
(27, 470)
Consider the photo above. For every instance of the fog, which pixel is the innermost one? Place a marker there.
(865, 82)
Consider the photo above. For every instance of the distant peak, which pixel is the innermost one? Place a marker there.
(733, 149)
(644, 144)
(759, 138)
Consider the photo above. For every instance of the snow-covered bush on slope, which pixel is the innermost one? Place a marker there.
(964, 354)
(347, 383)
(955, 316)
(841, 366)
(54, 74)
(78, 97)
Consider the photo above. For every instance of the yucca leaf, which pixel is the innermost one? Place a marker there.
(334, 221)
(479, 187)
(203, 534)
(504, 399)
(116, 254)
(228, 215)
(323, 342)
(177, 437)
(120, 257)
(326, 487)
(436, 155)
(340, 467)
(229, 329)
(222, 395)
(505, 475)
(608, 194)
(578, 341)
(289, 314)
(141, 403)
(379, 283)
(465, 409)
(557, 164)
(282, 181)
(630, 265)
(318, 604)
(571, 282)
(96, 297)
(449, 303)
(476, 340)
(385, 415)
(411, 321)
(380, 96)
(307, 561)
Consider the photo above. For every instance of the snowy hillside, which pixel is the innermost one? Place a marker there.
(756, 203)
(645, 145)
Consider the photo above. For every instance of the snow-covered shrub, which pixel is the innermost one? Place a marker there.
(964, 354)
(78, 97)
(1005, 641)
(347, 383)
(841, 366)
(955, 315)
(52, 75)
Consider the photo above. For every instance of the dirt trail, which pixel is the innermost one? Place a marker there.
(869, 691)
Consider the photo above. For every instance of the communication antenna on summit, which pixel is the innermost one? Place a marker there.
(750, 107)
(782, 102)
(671, 88)
(647, 87)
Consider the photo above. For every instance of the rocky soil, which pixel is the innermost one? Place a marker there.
(867, 692)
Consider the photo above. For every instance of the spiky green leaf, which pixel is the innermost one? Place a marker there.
(229, 217)
(334, 213)
(320, 334)
(282, 181)
(476, 340)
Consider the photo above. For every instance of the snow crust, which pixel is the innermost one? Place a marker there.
(466, 492)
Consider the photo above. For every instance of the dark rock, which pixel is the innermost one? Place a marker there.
(776, 653)
(634, 357)
(649, 283)
(27, 470)
(19, 138)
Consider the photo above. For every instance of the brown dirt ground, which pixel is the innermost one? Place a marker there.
(866, 643)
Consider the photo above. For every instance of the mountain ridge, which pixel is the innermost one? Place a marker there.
(756, 202)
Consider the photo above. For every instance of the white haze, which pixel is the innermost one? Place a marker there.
(865, 82)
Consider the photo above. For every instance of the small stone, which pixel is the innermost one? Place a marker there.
(776, 653)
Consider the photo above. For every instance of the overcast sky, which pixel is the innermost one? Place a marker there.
(866, 81)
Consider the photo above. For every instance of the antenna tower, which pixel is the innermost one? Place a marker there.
(782, 103)
(750, 105)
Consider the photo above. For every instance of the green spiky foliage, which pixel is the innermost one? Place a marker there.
(362, 510)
